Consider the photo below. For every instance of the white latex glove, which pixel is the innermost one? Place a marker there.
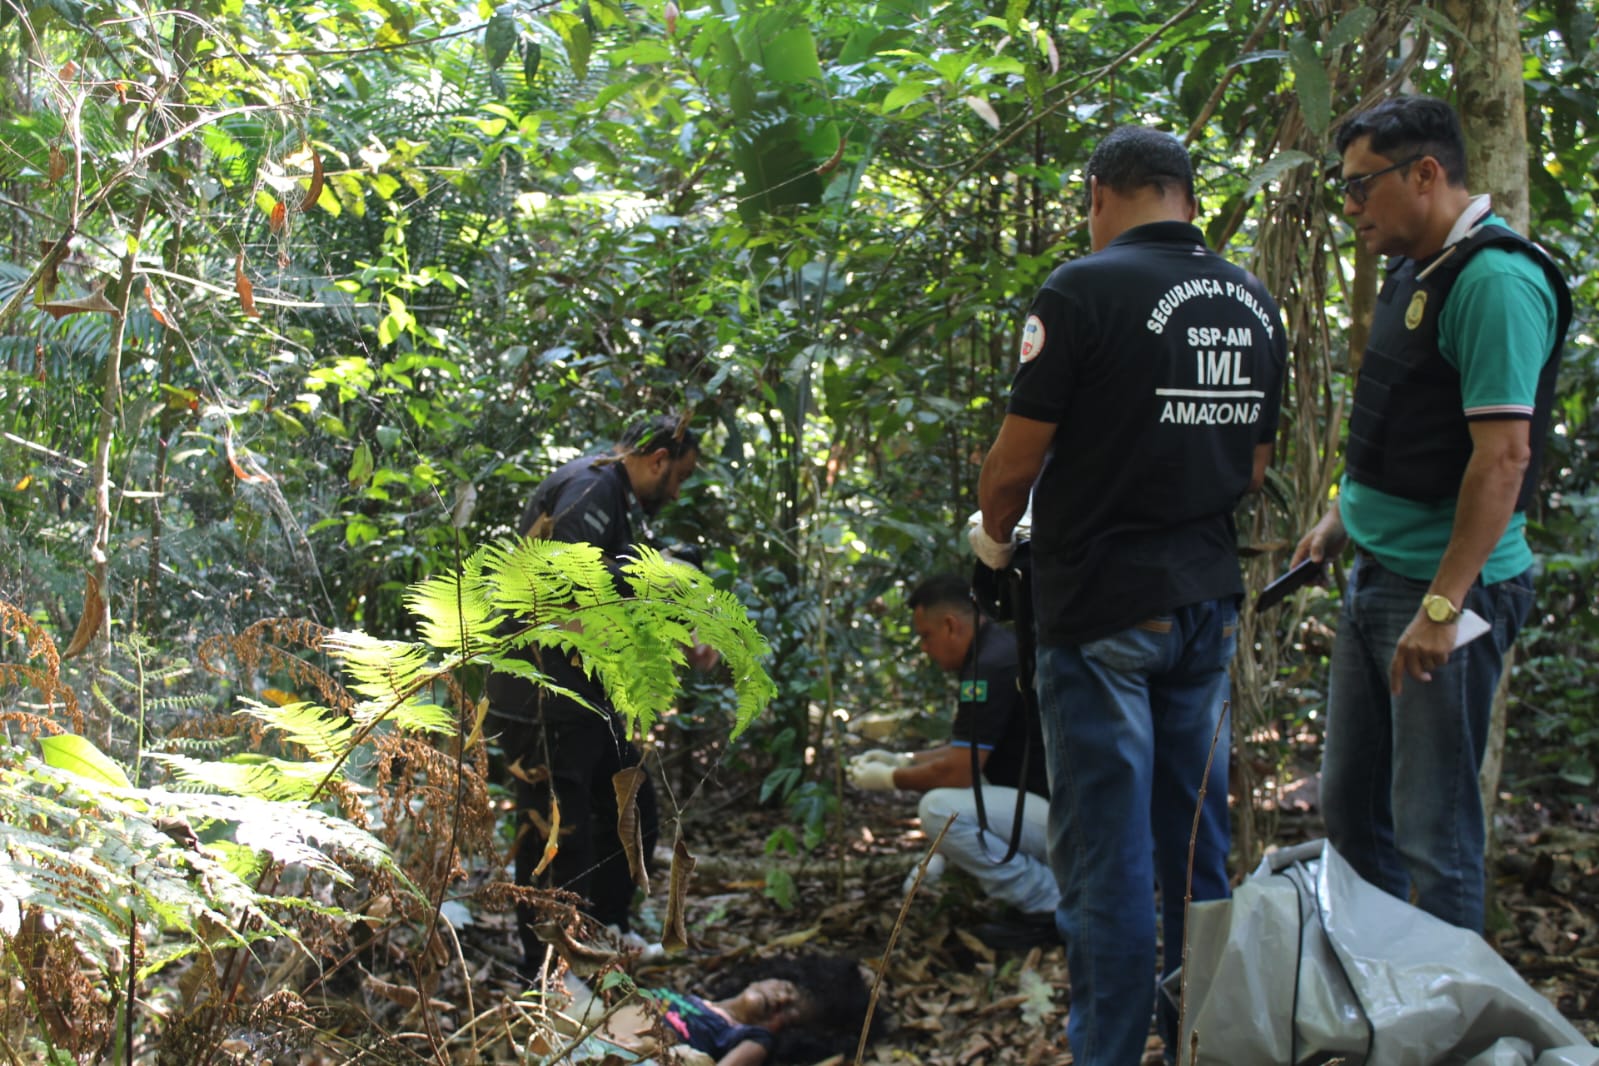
(879, 755)
(995, 555)
(872, 776)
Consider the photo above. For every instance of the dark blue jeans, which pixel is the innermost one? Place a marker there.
(1399, 773)
(1128, 723)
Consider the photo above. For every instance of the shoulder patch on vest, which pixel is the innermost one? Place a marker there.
(974, 691)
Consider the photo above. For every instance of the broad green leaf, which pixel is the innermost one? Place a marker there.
(906, 92)
(531, 58)
(1310, 82)
(1275, 167)
(499, 37)
(68, 751)
(1351, 27)
(575, 35)
(361, 464)
(790, 57)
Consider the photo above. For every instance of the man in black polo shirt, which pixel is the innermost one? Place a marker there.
(549, 738)
(992, 717)
(1144, 407)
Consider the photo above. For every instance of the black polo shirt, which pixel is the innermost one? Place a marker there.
(1161, 366)
(586, 501)
(992, 714)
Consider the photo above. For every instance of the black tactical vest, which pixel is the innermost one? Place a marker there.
(1407, 435)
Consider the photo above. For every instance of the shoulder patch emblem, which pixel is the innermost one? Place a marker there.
(974, 691)
(1032, 338)
(1417, 308)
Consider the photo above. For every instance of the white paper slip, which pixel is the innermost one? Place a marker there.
(1471, 626)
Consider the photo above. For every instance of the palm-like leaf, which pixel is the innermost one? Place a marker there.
(100, 875)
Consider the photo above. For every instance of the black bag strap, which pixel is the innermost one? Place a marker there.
(1012, 595)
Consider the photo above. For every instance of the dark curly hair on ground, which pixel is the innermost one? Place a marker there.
(833, 985)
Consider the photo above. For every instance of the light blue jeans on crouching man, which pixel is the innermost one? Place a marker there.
(1025, 882)
(1128, 726)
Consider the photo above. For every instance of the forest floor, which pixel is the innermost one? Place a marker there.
(946, 999)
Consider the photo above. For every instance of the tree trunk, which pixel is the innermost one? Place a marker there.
(1487, 66)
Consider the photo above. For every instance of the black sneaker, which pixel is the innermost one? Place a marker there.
(1023, 932)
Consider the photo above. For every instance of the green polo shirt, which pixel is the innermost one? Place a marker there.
(1497, 328)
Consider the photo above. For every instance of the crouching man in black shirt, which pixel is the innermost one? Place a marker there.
(993, 718)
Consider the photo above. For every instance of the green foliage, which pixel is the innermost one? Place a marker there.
(811, 227)
(105, 859)
(562, 596)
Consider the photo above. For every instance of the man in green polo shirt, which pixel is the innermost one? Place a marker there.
(1453, 401)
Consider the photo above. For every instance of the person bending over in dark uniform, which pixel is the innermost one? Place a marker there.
(551, 740)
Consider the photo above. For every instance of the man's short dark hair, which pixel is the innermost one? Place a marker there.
(1135, 157)
(1404, 126)
(654, 432)
(949, 592)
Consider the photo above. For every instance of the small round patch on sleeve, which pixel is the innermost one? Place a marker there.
(1032, 338)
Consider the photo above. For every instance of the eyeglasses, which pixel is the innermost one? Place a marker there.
(1358, 188)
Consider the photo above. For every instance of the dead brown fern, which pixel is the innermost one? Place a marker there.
(44, 679)
(53, 994)
(435, 810)
(276, 645)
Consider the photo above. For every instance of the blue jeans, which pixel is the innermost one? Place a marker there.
(1128, 725)
(1399, 774)
(1025, 882)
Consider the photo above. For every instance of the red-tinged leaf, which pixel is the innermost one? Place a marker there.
(1054, 54)
(314, 193)
(552, 837)
(68, 72)
(95, 301)
(280, 215)
(155, 308)
(671, 18)
(832, 164)
(250, 474)
(58, 164)
(242, 286)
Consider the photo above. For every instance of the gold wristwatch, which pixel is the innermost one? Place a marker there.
(1439, 609)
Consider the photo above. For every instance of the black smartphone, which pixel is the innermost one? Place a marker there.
(1308, 572)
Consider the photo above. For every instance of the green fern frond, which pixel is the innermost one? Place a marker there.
(250, 775)
(540, 580)
(386, 671)
(306, 724)
(212, 746)
(100, 860)
(414, 715)
(564, 597)
(454, 611)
